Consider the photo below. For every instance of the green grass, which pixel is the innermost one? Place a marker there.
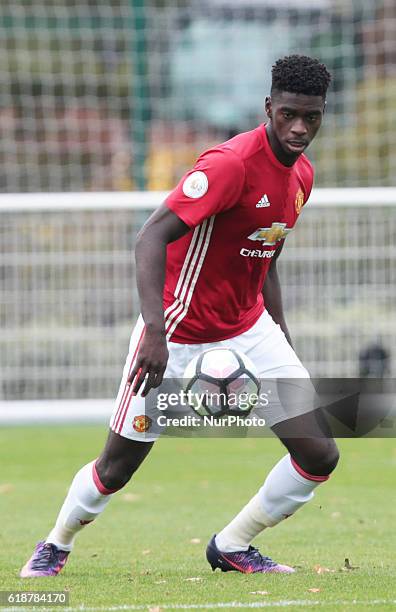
(143, 549)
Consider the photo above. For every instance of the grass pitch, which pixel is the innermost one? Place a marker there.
(147, 550)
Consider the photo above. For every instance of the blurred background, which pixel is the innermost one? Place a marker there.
(121, 96)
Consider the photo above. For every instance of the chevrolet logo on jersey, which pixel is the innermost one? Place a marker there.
(270, 235)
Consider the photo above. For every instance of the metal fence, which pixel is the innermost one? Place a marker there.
(68, 298)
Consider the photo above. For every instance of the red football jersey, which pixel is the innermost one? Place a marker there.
(240, 202)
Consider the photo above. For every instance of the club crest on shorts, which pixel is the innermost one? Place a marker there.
(141, 423)
(299, 202)
(196, 185)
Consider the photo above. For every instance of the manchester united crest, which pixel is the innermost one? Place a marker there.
(141, 423)
(299, 200)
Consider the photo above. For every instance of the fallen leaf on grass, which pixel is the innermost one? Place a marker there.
(259, 593)
(6, 487)
(194, 579)
(195, 541)
(322, 570)
(314, 590)
(130, 497)
(146, 552)
(348, 566)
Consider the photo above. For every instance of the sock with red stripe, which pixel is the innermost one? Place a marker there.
(286, 488)
(86, 499)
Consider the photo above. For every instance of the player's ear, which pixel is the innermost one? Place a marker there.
(268, 107)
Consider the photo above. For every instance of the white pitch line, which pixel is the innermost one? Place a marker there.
(214, 606)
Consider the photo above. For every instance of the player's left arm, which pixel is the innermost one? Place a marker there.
(273, 295)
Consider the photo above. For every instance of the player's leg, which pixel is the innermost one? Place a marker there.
(289, 486)
(313, 455)
(291, 482)
(95, 483)
(91, 490)
(133, 432)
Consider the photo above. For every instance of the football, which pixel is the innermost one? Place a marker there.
(221, 381)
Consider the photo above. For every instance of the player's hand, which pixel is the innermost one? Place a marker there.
(151, 361)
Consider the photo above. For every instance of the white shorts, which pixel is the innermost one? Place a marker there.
(264, 343)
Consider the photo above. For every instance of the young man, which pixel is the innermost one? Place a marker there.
(206, 275)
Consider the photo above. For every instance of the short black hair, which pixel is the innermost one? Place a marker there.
(300, 74)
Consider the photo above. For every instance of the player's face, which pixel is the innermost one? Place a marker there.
(294, 122)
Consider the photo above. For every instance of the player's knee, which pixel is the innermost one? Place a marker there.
(114, 474)
(330, 457)
(119, 460)
(319, 458)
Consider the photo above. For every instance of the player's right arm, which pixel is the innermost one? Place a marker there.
(162, 228)
(212, 186)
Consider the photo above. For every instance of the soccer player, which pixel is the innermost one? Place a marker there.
(206, 264)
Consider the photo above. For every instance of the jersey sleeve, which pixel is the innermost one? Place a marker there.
(308, 181)
(212, 186)
(308, 189)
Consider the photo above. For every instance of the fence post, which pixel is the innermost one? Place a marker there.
(141, 111)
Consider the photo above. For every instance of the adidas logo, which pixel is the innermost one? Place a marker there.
(263, 202)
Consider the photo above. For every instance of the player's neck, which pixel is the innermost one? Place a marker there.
(284, 158)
